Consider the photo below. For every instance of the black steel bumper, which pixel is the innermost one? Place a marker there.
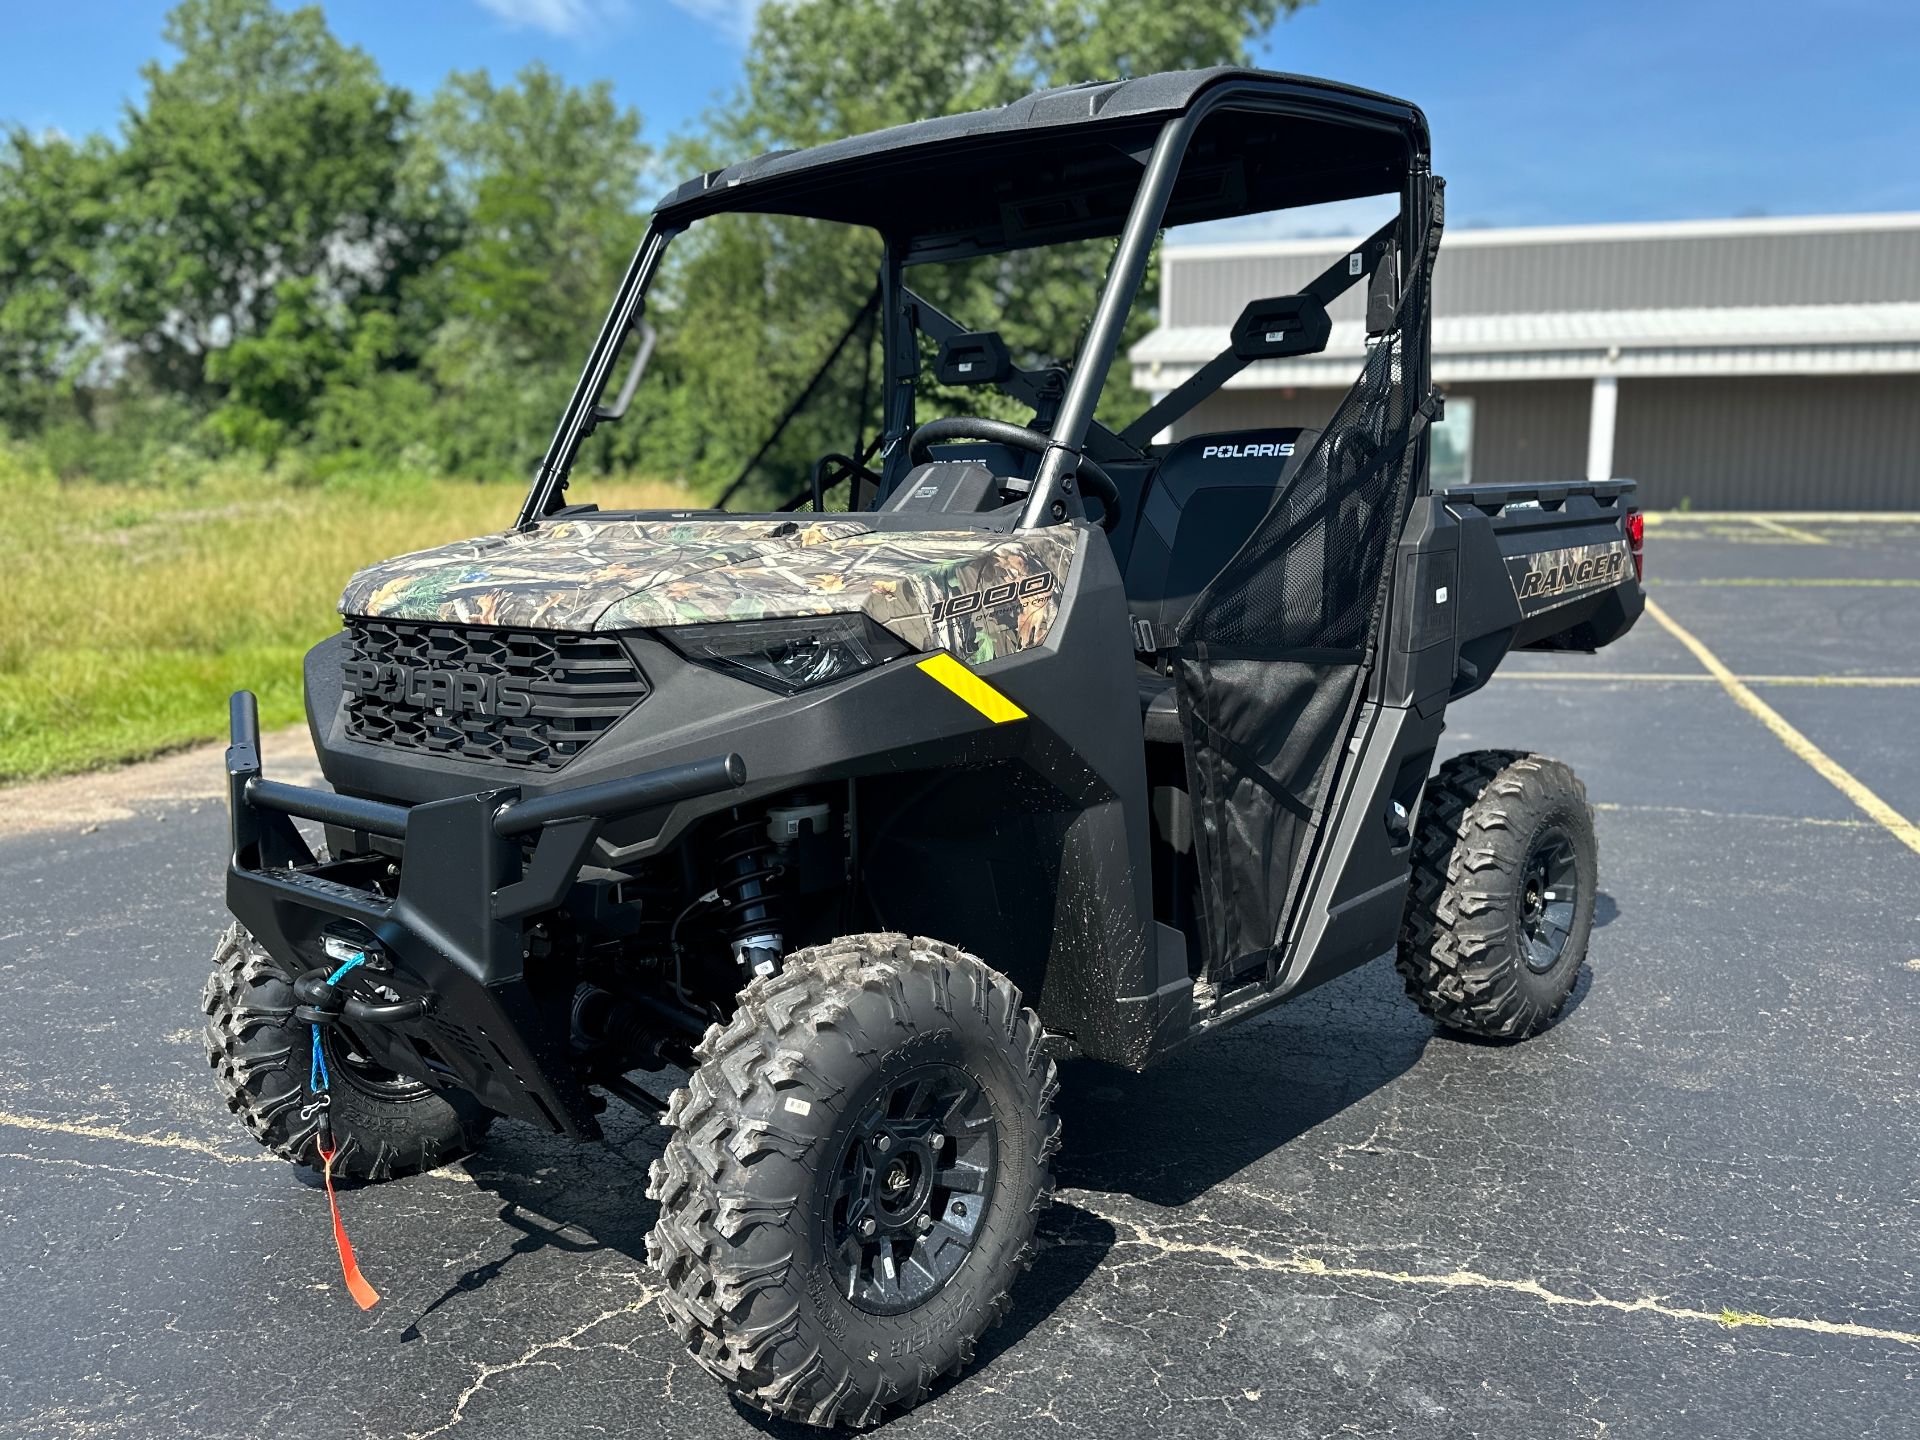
(445, 995)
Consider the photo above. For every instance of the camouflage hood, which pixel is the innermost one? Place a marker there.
(977, 594)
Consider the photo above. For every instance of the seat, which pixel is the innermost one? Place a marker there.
(1197, 510)
(1207, 496)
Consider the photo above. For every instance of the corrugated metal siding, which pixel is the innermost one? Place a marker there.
(1772, 443)
(1231, 410)
(1528, 431)
(1215, 291)
(1752, 444)
(1781, 269)
(1522, 432)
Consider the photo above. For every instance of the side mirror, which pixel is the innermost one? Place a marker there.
(975, 358)
(1283, 326)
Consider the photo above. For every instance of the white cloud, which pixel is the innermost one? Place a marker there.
(556, 17)
(574, 18)
(733, 18)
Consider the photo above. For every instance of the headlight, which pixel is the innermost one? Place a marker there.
(792, 654)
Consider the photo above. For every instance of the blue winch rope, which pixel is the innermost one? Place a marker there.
(318, 1081)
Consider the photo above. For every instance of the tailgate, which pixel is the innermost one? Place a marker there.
(1571, 555)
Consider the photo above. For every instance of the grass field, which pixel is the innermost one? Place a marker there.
(128, 615)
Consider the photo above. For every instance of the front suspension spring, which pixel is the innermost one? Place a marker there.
(749, 872)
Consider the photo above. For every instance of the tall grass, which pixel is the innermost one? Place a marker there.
(127, 615)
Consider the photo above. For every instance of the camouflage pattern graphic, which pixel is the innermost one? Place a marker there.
(563, 576)
(1550, 577)
(977, 595)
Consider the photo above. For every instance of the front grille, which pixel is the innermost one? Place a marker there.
(518, 697)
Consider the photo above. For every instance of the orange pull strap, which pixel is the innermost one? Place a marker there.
(364, 1295)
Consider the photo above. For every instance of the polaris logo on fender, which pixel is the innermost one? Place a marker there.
(1276, 451)
(450, 692)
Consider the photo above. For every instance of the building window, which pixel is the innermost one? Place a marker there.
(1451, 455)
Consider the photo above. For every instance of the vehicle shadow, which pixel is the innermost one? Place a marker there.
(1165, 1137)
(589, 1198)
(579, 1199)
(1168, 1136)
(533, 1236)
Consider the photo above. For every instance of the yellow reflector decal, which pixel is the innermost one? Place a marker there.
(971, 688)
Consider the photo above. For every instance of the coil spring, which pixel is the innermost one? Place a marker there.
(748, 870)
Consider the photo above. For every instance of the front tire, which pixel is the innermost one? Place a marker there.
(855, 1174)
(384, 1125)
(1504, 873)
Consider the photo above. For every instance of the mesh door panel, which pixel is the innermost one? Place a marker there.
(1270, 659)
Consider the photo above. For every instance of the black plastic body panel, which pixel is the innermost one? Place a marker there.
(1454, 610)
(450, 937)
(1027, 842)
(1047, 815)
(1542, 568)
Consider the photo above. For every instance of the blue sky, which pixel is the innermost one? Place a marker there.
(1543, 111)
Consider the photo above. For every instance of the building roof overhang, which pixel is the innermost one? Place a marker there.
(1842, 339)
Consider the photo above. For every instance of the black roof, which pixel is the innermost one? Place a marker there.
(1063, 164)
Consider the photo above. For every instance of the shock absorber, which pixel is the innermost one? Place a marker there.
(749, 869)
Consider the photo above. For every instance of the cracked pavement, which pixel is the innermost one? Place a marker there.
(1692, 1207)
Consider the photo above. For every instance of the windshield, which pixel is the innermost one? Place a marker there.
(794, 360)
(741, 402)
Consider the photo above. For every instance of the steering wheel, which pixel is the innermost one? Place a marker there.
(1094, 480)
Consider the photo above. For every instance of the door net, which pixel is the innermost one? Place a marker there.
(1270, 660)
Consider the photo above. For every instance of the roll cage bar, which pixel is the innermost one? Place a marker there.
(1073, 430)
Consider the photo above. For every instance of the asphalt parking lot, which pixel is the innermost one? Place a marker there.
(1691, 1208)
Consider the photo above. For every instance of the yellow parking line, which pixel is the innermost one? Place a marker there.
(1830, 770)
(1805, 537)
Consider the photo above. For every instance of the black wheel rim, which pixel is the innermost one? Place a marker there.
(349, 1060)
(911, 1190)
(1549, 887)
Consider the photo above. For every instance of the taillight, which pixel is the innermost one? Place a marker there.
(1636, 542)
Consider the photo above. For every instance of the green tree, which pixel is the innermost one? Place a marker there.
(53, 210)
(267, 152)
(810, 78)
(548, 180)
(313, 347)
(810, 74)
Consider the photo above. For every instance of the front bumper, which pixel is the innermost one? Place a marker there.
(445, 996)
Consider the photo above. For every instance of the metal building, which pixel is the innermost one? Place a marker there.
(1731, 364)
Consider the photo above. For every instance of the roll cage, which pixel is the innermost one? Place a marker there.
(1120, 159)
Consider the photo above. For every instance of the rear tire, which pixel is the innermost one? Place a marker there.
(776, 1167)
(384, 1125)
(1504, 873)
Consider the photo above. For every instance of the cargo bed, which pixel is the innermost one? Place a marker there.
(1543, 567)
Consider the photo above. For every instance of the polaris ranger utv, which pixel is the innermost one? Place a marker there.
(1049, 738)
